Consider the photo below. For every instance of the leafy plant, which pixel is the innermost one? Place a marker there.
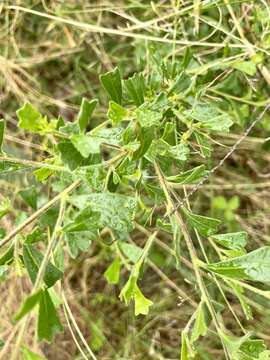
(107, 180)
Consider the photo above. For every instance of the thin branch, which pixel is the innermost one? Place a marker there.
(39, 278)
(110, 31)
(213, 170)
(50, 203)
(193, 256)
(35, 164)
(39, 212)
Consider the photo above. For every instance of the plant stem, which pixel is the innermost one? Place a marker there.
(104, 30)
(32, 163)
(39, 212)
(193, 255)
(250, 48)
(39, 278)
(261, 103)
(69, 312)
(50, 203)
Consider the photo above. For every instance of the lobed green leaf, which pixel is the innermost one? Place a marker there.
(111, 81)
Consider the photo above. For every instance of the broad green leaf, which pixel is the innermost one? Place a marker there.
(179, 152)
(72, 157)
(93, 175)
(30, 355)
(160, 102)
(86, 110)
(181, 84)
(7, 257)
(239, 293)
(258, 58)
(70, 128)
(247, 67)
(127, 167)
(219, 202)
(228, 207)
(169, 133)
(78, 241)
(142, 304)
(2, 130)
(35, 236)
(204, 225)
(55, 297)
(234, 241)
(200, 327)
(112, 181)
(49, 218)
(80, 232)
(253, 266)
(112, 136)
(85, 144)
(210, 117)
(116, 113)
(131, 251)
(253, 348)
(155, 193)
(59, 257)
(113, 272)
(245, 348)
(145, 137)
(184, 347)
(29, 303)
(233, 203)
(131, 290)
(186, 350)
(60, 122)
(190, 176)
(48, 321)
(158, 148)
(233, 344)
(30, 196)
(127, 293)
(111, 81)
(148, 118)
(205, 145)
(30, 119)
(135, 87)
(168, 68)
(98, 339)
(187, 57)
(229, 253)
(43, 174)
(32, 260)
(115, 210)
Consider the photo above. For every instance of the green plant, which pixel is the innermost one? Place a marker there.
(123, 174)
(208, 61)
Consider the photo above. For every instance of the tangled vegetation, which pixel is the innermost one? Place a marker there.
(133, 214)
